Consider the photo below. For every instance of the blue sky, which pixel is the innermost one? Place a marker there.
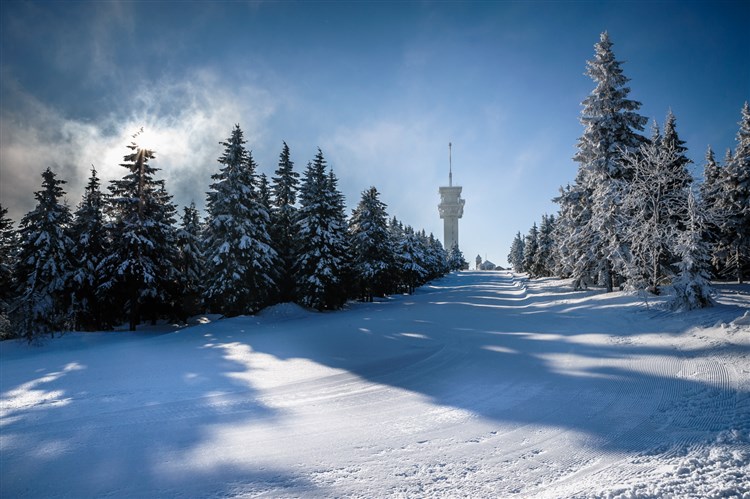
(380, 87)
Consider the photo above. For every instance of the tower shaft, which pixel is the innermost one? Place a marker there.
(451, 207)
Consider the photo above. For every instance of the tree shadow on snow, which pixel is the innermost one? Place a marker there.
(132, 415)
(545, 356)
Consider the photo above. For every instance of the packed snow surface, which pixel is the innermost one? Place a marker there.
(479, 385)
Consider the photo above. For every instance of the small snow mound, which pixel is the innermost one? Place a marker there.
(203, 319)
(742, 321)
(283, 311)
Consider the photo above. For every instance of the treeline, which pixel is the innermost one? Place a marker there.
(128, 256)
(634, 218)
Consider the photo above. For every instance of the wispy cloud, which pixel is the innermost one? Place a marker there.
(184, 120)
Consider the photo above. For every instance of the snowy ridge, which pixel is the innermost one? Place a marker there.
(481, 384)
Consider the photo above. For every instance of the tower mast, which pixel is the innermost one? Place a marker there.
(450, 165)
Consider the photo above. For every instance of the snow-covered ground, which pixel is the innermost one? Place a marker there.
(480, 385)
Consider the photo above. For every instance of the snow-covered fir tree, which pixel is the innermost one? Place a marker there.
(264, 192)
(656, 205)
(515, 256)
(543, 263)
(680, 174)
(140, 268)
(322, 265)
(409, 259)
(284, 187)
(709, 194)
(612, 125)
(437, 256)
(240, 257)
(456, 259)
(734, 204)
(372, 248)
(8, 250)
(692, 284)
(190, 262)
(575, 208)
(530, 249)
(91, 246)
(45, 262)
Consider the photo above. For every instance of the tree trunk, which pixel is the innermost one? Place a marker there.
(608, 275)
(133, 306)
(739, 264)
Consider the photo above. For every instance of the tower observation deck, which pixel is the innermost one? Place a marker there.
(451, 207)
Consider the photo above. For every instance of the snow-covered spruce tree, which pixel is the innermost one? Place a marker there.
(456, 259)
(434, 259)
(397, 235)
(438, 255)
(322, 264)
(190, 262)
(734, 204)
(709, 195)
(340, 227)
(680, 176)
(515, 256)
(91, 246)
(409, 259)
(372, 248)
(264, 192)
(572, 259)
(543, 259)
(44, 264)
(285, 185)
(140, 268)
(8, 251)
(240, 257)
(612, 125)
(692, 284)
(530, 249)
(656, 205)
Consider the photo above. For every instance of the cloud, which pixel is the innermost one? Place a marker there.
(184, 121)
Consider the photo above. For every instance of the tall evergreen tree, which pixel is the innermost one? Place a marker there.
(8, 251)
(285, 185)
(680, 174)
(408, 259)
(710, 190)
(240, 258)
(437, 257)
(543, 264)
(734, 203)
(456, 259)
(656, 203)
(322, 264)
(515, 257)
(371, 246)
(190, 263)
(45, 262)
(692, 283)
(612, 125)
(530, 249)
(140, 267)
(264, 192)
(89, 233)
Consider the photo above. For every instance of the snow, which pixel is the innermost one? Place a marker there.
(479, 385)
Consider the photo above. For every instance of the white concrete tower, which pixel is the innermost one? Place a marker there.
(451, 207)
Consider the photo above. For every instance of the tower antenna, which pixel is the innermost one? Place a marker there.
(450, 165)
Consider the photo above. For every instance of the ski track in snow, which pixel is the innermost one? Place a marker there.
(479, 385)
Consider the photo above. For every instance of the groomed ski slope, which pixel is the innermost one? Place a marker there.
(479, 385)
